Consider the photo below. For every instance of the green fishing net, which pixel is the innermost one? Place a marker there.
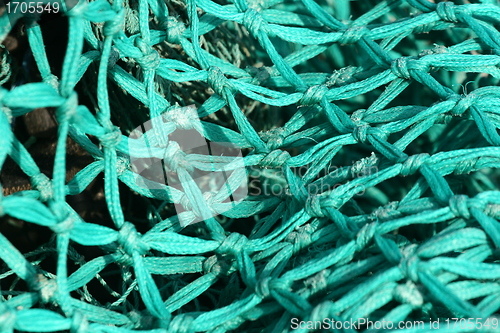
(250, 166)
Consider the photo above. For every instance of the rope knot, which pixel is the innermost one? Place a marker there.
(67, 110)
(492, 210)
(183, 118)
(364, 166)
(275, 159)
(233, 244)
(65, 226)
(122, 164)
(212, 266)
(115, 25)
(210, 198)
(123, 258)
(274, 137)
(174, 157)
(459, 206)
(218, 82)
(409, 294)
(52, 81)
(387, 212)
(262, 288)
(399, 67)
(313, 95)
(313, 206)
(185, 202)
(181, 324)
(254, 22)
(302, 238)
(352, 35)
(365, 235)
(150, 59)
(446, 11)
(43, 184)
(175, 30)
(44, 286)
(361, 132)
(413, 163)
(112, 138)
(130, 240)
(409, 265)
(462, 104)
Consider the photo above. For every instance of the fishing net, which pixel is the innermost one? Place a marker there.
(346, 177)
